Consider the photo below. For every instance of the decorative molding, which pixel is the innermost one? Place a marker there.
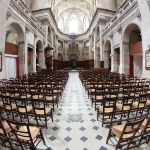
(116, 46)
(102, 21)
(21, 43)
(148, 2)
(44, 21)
(73, 36)
(8, 14)
(139, 16)
(27, 28)
(30, 45)
(119, 29)
(35, 35)
(111, 35)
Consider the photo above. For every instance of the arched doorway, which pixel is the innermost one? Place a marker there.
(39, 55)
(60, 57)
(14, 51)
(132, 46)
(107, 55)
(73, 61)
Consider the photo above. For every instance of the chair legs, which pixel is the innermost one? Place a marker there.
(108, 137)
(97, 113)
(42, 137)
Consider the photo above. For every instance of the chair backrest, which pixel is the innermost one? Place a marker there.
(6, 140)
(128, 100)
(39, 110)
(130, 129)
(146, 125)
(23, 109)
(21, 133)
(109, 103)
(7, 102)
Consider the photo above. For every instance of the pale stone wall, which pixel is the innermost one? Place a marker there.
(3, 30)
(109, 4)
(119, 2)
(145, 13)
(40, 4)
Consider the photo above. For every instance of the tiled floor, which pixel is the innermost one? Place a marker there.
(75, 126)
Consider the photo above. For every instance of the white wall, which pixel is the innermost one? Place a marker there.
(145, 13)
(3, 30)
(40, 4)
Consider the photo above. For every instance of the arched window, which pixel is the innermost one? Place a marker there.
(61, 24)
(85, 23)
(73, 24)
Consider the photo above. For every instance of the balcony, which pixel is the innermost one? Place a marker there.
(126, 6)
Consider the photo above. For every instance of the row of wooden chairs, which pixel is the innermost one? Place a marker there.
(97, 93)
(20, 136)
(123, 104)
(111, 110)
(25, 109)
(130, 134)
(26, 105)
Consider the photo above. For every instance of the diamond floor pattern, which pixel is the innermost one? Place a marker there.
(75, 126)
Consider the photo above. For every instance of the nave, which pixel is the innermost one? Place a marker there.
(75, 126)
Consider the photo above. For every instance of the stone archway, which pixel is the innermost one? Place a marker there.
(107, 55)
(73, 57)
(60, 57)
(73, 61)
(14, 50)
(3, 19)
(132, 48)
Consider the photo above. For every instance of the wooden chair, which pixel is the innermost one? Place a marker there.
(27, 135)
(50, 96)
(24, 109)
(5, 139)
(145, 131)
(9, 106)
(125, 134)
(5, 128)
(140, 106)
(107, 110)
(98, 96)
(42, 112)
(124, 107)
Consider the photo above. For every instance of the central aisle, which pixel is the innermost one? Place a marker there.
(75, 126)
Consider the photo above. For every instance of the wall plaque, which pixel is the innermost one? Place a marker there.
(0, 61)
(147, 60)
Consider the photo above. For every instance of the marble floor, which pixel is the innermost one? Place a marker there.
(75, 126)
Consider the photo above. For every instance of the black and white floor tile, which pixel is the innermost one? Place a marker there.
(75, 126)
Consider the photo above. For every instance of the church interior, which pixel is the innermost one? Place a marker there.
(74, 74)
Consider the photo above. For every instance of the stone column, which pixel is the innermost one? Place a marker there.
(112, 55)
(95, 63)
(90, 48)
(101, 49)
(21, 56)
(121, 67)
(26, 51)
(34, 53)
(80, 49)
(56, 50)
